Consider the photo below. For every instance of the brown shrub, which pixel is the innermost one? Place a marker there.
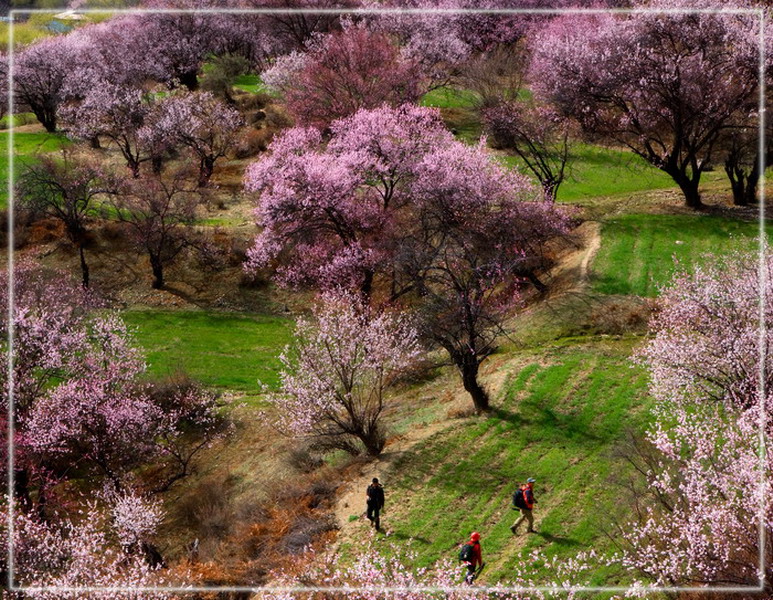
(303, 459)
(252, 142)
(208, 513)
(461, 412)
(44, 231)
(247, 101)
(277, 118)
(618, 318)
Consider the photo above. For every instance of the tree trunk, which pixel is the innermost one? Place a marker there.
(469, 370)
(750, 192)
(689, 187)
(152, 555)
(535, 281)
(366, 289)
(84, 266)
(743, 185)
(190, 79)
(550, 190)
(372, 438)
(157, 162)
(134, 167)
(206, 168)
(158, 273)
(21, 488)
(736, 185)
(46, 117)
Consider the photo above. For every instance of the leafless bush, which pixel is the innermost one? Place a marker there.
(247, 101)
(277, 119)
(305, 529)
(252, 142)
(304, 459)
(208, 513)
(497, 75)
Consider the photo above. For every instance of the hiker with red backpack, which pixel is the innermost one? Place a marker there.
(471, 556)
(524, 501)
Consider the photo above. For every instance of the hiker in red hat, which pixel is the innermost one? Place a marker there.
(471, 556)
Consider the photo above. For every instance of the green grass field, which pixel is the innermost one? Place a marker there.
(222, 350)
(595, 171)
(26, 145)
(250, 83)
(449, 97)
(638, 250)
(17, 120)
(559, 420)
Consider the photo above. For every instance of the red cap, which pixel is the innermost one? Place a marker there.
(475, 537)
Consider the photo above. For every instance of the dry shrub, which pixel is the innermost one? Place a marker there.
(113, 232)
(255, 118)
(43, 231)
(239, 247)
(252, 142)
(303, 531)
(248, 101)
(277, 118)
(254, 538)
(303, 459)
(461, 412)
(422, 370)
(208, 513)
(618, 318)
(254, 280)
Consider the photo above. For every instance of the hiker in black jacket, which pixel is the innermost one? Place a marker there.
(375, 495)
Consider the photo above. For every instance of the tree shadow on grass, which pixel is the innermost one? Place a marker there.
(549, 421)
(557, 539)
(403, 537)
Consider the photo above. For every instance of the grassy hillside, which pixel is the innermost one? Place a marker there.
(26, 145)
(226, 351)
(638, 251)
(594, 171)
(563, 410)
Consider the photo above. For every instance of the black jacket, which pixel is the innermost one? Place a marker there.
(375, 495)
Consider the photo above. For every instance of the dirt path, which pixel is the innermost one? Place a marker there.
(589, 252)
(351, 499)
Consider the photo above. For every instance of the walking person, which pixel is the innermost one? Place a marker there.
(472, 557)
(524, 501)
(375, 500)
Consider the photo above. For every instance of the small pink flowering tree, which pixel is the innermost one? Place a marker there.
(40, 76)
(333, 209)
(158, 214)
(80, 552)
(343, 72)
(338, 372)
(292, 27)
(203, 124)
(79, 396)
(124, 115)
(708, 476)
(481, 238)
(107, 420)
